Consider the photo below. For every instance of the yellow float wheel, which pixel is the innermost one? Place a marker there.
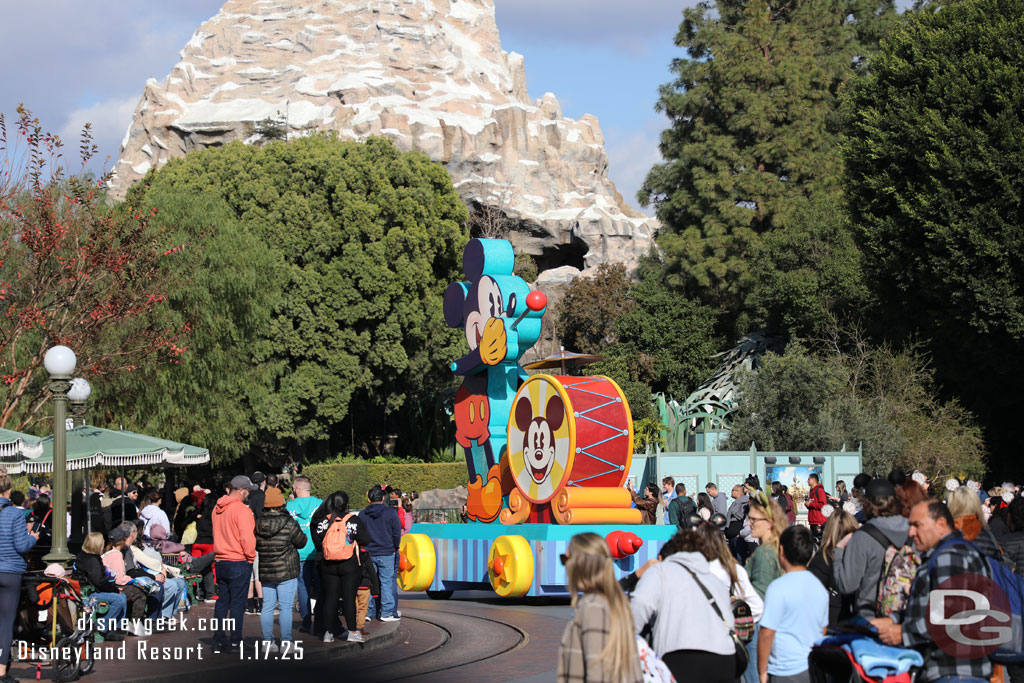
(510, 566)
(417, 562)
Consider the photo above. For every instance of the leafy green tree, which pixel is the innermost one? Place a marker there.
(363, 240)
(664, 341)
(587, 313)
(882, 398)
(935, 176)
(753, 131)
(227, 303)
(809, 274)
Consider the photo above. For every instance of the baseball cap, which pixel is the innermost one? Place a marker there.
(258, 477)
(879, 488)
(117, 534)
(242, 482)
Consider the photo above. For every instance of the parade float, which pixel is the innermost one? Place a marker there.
(547, 455)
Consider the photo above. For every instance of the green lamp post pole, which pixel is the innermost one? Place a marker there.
(78, 395)
(60, 362)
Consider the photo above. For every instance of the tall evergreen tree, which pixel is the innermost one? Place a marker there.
(754, 131)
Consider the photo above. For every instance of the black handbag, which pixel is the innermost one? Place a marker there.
(740, 657)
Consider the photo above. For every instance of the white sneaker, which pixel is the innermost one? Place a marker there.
(269, 646)
(391, 618)
(356, 637)
(137, 630)
(328, 637)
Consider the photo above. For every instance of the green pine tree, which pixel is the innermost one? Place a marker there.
(753, 135)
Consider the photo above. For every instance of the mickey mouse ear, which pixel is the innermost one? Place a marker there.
(454, 300)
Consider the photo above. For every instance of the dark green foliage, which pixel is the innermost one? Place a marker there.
(935, 175)
(587, 313)
(362, 240)
(754, 132)
(664, 340)
(357, 478)
(227, 302)
(881, 398)
(809, 274)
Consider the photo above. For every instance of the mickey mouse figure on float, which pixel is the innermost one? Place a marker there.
(502, 319)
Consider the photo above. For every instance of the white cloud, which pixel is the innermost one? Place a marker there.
(110, 119)
(624, 26)
(631, 155)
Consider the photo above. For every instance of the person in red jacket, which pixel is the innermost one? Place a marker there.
(816, 500)
(234, 546)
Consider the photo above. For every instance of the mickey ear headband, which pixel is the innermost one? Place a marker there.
(763, 500)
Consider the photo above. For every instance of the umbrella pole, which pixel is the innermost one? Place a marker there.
(124, 493)
(88, 501)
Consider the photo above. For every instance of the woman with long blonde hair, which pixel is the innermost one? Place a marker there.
(599, 643)
(767, 521)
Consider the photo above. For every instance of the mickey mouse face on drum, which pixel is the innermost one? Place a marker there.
(539, 435)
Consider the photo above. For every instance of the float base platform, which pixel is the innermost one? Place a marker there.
(463, 550)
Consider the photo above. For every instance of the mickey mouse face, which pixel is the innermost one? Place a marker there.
(488, 304)
(539, 449)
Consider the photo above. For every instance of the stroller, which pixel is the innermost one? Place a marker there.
(48, 620)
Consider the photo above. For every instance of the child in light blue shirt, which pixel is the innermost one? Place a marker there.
(795, 613)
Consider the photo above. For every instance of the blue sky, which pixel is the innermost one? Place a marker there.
(72, 62)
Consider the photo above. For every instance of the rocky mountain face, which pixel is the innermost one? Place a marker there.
(429, 74)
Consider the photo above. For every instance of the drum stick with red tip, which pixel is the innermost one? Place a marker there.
(535, 301)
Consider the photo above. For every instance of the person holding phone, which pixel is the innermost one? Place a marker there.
(15, 542)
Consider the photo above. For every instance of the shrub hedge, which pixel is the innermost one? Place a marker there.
(357, 478)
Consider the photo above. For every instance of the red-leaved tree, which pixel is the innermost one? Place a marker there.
(75, 270)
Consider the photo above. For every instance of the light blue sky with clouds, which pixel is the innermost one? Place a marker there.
(72, 62)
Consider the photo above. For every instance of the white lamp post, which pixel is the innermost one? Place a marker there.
(60, 362)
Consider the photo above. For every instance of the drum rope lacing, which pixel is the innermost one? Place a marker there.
(583, 414)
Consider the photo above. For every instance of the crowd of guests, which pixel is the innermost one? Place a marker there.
(257, 550)
(743, 592)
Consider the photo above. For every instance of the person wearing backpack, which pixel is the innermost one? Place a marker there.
(944, 554)
(381, 520)
(965, 507)
(681, 508)
(860, 559)
(338, 535)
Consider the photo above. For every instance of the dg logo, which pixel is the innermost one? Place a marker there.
(969, 616)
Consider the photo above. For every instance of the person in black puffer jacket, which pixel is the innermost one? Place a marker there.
(278, 539)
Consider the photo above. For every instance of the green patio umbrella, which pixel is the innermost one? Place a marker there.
(16, 447)
(181, 454)
(89, 446)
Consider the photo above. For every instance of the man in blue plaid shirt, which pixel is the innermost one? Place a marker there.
(931, 526)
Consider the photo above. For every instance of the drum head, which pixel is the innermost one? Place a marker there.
(541, 438)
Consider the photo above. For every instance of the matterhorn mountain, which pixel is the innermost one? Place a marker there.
(428, 74)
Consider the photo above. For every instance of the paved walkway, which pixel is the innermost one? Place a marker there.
(471, 638)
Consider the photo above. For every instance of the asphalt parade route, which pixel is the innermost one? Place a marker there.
(471, 637)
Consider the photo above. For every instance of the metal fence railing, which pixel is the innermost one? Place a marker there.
(437, 516)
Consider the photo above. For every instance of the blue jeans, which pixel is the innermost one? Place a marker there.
(232, 589)
(309, 589)
(385, 565)
(750, 675)
(173, 589)
(117, 608)
(274, 592)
